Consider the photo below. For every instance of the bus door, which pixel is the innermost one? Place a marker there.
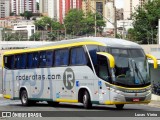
(103, 72)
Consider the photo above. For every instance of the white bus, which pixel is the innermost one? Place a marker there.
(91, 70)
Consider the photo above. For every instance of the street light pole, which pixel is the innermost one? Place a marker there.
(115, 21)
(95, 25)
(65, 30)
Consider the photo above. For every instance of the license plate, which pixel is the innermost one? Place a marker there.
(135, 99)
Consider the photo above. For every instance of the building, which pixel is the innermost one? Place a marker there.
(53, 8)
(65, 5)
(130, 6)
(93, 6)
(119, 14)
(10, 22)
(20, 6)
(4, 8)
(43, 6)
(110, 15)
(29, 28)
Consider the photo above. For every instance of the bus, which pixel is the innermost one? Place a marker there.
(91, 70)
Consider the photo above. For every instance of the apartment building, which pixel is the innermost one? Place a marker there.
(43, 6)
(20, 6)
(4, 8)
(130, 6)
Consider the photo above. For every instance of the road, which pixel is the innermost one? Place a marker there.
(73, 109)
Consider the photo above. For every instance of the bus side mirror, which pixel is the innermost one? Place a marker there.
(155, 62)
(109, 57)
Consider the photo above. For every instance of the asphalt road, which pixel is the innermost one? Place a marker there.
(14, 105)
(78, 111)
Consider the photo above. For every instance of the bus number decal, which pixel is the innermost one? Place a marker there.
(69, 78)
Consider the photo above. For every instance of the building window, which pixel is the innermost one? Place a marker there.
(99, 7)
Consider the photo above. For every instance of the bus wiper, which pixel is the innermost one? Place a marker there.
(139, 75)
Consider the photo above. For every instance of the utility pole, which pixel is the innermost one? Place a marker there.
(115, 20)
(95, 25)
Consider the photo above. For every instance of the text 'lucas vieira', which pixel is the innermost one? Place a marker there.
(146, 114)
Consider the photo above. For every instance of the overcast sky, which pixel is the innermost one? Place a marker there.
(119, 3)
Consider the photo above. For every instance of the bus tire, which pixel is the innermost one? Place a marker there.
(86, 100)
(52, 103)
(24, 98)
(119, 106)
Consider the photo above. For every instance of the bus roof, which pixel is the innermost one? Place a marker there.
(112, 42)
(57, 45)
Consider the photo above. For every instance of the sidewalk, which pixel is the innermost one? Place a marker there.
(154, 103)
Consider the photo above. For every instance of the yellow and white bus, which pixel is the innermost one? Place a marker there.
(91, 70)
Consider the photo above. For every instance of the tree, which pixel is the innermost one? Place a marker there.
(12, 14)
(145, 22)
(35, 37)
(8, 36)
(18, 37)
(79, 24)
(90, 22)
(27, 15)
(46, 23)
(74, 21)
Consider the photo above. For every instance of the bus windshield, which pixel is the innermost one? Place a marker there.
(131, 68)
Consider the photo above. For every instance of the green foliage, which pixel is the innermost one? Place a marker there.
(35, 37)
(27, 15)
(8, 36)
(18, 37)
(145, 23)
(74, 21)
(79, 24)
(12, 14)
(46, 23)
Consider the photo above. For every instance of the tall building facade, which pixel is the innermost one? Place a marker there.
(66, 5)
(130, 6)
(20, 6)
(43, 6)
(93, 6)
(53, 8)
(4, 8)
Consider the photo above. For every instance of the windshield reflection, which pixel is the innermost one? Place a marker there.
(131, 67)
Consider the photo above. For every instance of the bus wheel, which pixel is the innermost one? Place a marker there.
(86, 100)
(120, 106)
(24, 98)
(51, 103)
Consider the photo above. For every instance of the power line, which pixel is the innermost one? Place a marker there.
(115, 22)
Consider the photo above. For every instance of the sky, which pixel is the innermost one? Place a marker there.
(119, 3)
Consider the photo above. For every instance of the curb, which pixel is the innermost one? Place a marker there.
(154, 105)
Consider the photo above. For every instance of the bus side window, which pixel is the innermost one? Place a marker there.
(33, 60)
(42, 59)
(23, 61)
(78, 56)
(9, 62)
(20, 61)
(30, 60)
(61, 57)
(49, 57)
(17, 61)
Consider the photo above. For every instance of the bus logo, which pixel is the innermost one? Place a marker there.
(69, 78)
